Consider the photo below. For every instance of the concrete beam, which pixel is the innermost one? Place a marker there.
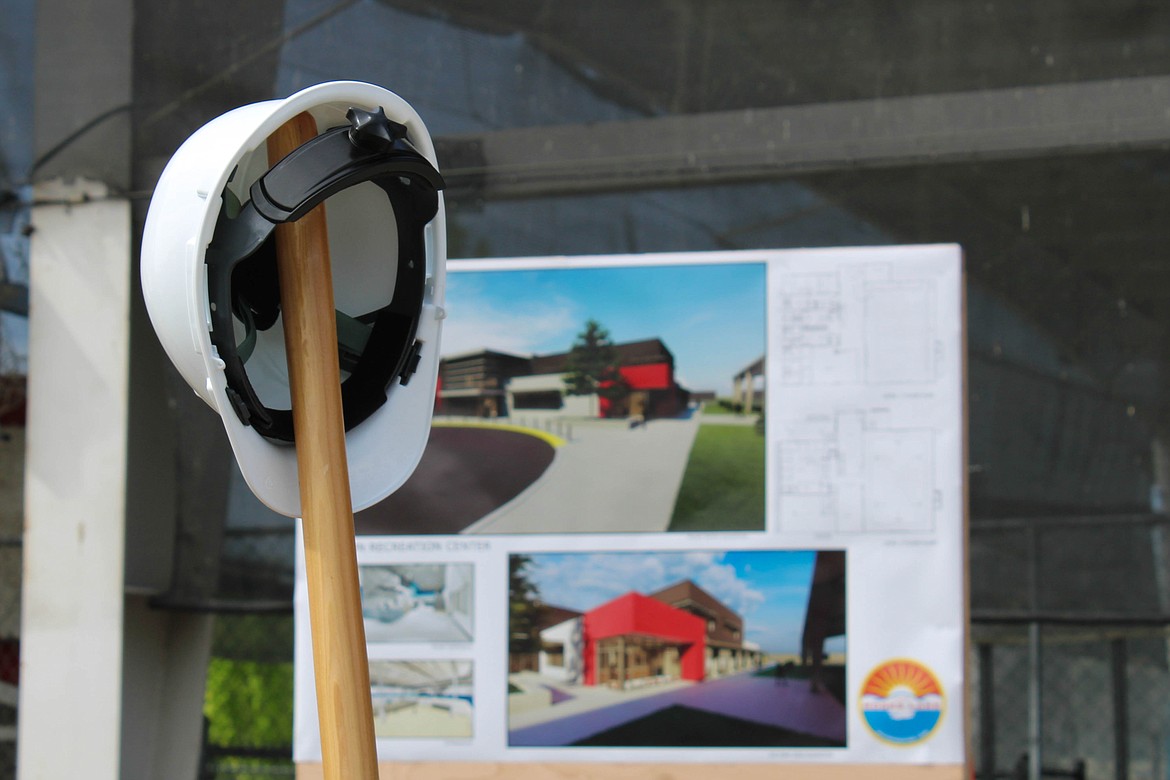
(765, 143)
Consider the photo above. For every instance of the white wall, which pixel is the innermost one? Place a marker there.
(123, 680)
(568, 634)
(75, 477)
(458, 593)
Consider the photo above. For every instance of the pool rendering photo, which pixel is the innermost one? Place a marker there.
(417, 602)
(424, 698)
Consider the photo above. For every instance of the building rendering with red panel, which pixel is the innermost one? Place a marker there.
(635, 637)
(488, 383)
(647, 370)
(727, 650)
(678, 633)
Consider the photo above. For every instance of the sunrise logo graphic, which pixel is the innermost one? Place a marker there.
(902, 701)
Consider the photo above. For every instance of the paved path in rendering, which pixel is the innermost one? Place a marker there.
(465, 473)
(779, 703)
(578, 699)
(608, 478)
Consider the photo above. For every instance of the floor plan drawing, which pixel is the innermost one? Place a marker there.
(864, 362)
(842, 474)
(861, 325)
(814, 344)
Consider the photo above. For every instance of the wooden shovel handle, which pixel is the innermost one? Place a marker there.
(341, 669)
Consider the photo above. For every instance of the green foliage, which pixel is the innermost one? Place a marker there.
(592, 365)
(728, 406)
(248, 699)
(523, 607)
(719, 406)
(249, 703)
(723, 485)
(253, 637)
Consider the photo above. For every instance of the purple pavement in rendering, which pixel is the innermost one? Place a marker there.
(558, 695)
(783, 704)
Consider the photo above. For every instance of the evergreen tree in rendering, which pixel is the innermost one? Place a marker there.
(592, 365)
(523, 609)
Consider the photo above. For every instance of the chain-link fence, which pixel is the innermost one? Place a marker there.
(1069, 665)
(11, 523)
(10, 568)
(1102, 699)
(248, 706)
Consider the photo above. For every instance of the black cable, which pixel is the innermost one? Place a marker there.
(68, 140)
(258, 52)
(9, 197)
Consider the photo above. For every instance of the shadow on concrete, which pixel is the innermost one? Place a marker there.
(464, 474)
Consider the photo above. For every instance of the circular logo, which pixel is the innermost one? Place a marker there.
(902, 701)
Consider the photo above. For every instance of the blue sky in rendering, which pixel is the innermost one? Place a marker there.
(711, 317)
(768, 588)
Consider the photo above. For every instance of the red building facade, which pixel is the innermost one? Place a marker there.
(635, 637)
(653, 391)
(476, 383)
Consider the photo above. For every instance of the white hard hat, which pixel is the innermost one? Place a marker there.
(210, 284)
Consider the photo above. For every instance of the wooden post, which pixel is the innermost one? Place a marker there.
(341, 670)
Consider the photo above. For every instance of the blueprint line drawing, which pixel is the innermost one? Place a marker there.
(813, 341)
(862, 360)
(856, 326)
(845, 474)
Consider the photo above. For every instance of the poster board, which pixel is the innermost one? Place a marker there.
(744, 545)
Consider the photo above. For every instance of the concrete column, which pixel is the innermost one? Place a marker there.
(165, 658)
(102, 695)
(75, 468)
(75, 477)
